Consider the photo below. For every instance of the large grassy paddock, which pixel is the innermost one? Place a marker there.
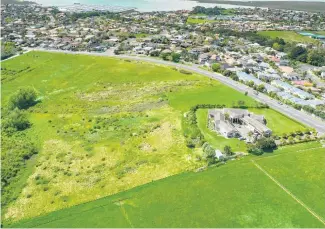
(289, 36)
(234, 195)
(103, 126)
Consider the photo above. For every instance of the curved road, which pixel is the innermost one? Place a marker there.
(297, 115)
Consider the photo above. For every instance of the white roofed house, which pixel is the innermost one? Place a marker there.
(203, 58)
(268, 76)
(219, 155)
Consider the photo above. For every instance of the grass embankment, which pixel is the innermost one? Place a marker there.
(236, 195)
(289, 36)
(103, 125)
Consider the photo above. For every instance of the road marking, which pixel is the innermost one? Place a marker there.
(289, 193)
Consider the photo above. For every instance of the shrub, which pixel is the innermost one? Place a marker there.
(185, 72)
(254, 150)
(216, 67)
(23, 98)
(227, 150)
(16, 120)
(266, 143)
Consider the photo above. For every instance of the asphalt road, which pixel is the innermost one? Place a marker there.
(300, 116)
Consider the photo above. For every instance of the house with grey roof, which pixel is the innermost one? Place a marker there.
(292, 90)
(232, 123)
(247, 78)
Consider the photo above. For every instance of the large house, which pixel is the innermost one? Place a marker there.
(238, 123)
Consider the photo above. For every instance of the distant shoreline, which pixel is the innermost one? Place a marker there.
(288, 5)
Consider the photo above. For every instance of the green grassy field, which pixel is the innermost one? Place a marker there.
(288, 36)
(103, 126)
(141, 35)
(312, 190)
(192, 20)
(235, 195)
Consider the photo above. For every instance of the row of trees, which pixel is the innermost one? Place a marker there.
(316, 111)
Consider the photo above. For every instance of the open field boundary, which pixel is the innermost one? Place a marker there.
(319, 218)
(298, 151)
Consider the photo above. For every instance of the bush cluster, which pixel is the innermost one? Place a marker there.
(16, 146)
(264, 144)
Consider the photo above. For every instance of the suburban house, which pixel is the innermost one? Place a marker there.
(243, 76)
(291, 89)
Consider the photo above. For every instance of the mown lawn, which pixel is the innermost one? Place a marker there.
(217, 141)
(289, 36)
(279, 123)
(103, 126)
(235, 195)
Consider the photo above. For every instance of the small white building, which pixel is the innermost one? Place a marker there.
(219, 155)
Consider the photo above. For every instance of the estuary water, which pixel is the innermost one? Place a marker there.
(140, 5)
(149, 5)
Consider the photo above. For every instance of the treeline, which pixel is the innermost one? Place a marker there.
(314, 57)
(17, 148)
(209, 11)
(192, 133)
(314, 111)
(318, 112)
(8, 49)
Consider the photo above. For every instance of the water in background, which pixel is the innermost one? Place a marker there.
(141, 5)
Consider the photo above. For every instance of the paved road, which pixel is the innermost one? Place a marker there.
(300, 116)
